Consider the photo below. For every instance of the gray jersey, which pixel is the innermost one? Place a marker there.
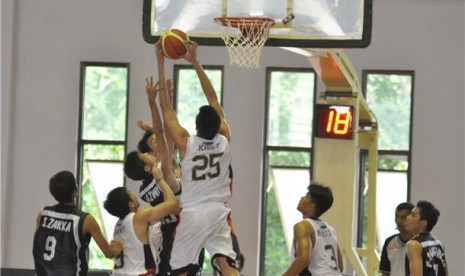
(393, 256)
(324, 252)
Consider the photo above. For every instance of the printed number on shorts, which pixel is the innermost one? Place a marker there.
(204, 162)
(332, 254)
(119, 260)
(50, 244)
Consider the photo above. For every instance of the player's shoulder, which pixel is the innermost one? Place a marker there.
(388, 239)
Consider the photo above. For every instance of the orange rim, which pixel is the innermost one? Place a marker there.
(243, 22)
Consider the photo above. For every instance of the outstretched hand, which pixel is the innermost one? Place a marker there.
(191, 55)
(144, 126)
(151, 90)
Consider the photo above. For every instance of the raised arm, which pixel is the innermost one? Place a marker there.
(304, 243)
(163, 155)
(207, 87)
(170, 119)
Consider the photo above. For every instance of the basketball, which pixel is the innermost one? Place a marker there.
(174, 43)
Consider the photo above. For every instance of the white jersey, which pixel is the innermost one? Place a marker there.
(205, 171)
(132, 260)
(324, 252)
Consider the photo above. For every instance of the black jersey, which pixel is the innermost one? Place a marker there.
(59, 247)
(434, 258)
(151, 193)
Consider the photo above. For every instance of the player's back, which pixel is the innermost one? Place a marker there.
(434, 257)
(59, 247)
(205, 171)
(131, 260)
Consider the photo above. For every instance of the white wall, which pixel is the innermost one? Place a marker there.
(43, 42)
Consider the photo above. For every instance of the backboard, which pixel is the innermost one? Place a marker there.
(316, 23)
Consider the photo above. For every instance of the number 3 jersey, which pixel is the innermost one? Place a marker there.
(205, 171)
(59, 247)
(323, 260)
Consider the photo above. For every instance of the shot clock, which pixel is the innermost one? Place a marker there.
(334, 121)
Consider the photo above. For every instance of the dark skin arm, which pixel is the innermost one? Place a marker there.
(414, 254)
(302, 232)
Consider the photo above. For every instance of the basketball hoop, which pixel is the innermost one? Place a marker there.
(244, 37)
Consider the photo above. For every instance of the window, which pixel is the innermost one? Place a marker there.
(389, 94)
(102, 139)
(187, 100)
(287, 166)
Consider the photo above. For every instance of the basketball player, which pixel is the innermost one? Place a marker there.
(205, 160)
(315, 250)
(393, 253)
(63, 232)
(133, 226)
(425, 253)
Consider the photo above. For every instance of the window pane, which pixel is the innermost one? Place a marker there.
(393, 162)
(391, 190)
(289, 159)
(104, 105)
(100, 174)
(284, 188)
(190, 95)
(290, 108)
(389, 97)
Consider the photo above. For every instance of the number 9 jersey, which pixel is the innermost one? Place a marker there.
(59, 247)
(205, 171)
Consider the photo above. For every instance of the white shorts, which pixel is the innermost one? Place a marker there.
(202, 226)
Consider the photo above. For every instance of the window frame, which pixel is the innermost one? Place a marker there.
(406, 153)
(81, 143)
(267, 149)
(179, 67)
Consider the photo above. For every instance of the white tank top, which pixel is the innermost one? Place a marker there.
(132, 261)
(324, 253)
(205, 171)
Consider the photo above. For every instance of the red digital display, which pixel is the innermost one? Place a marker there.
(334, 121)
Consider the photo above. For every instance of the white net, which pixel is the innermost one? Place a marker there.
(244, 39)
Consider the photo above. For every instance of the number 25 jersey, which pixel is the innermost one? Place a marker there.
(205, 171)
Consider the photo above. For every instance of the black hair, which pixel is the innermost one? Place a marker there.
(117, 202)
(142, 145)
(405, 206)
(207, 122)
(429, 213)
(134, 167)
(62, 186)
(322, 196)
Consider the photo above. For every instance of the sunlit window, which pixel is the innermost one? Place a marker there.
(101, 144)
(288, 145)
(389, 95)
